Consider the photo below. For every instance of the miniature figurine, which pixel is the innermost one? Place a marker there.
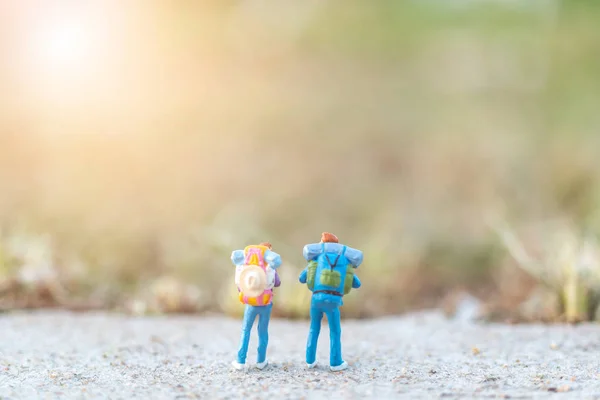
(329, 275)
(255, 277)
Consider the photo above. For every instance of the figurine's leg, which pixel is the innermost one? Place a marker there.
(249, 316)
(335, 342)
(316, 315)
(263, 333)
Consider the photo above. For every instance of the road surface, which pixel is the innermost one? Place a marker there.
(111, 356)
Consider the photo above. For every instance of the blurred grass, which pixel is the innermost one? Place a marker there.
(400, 126)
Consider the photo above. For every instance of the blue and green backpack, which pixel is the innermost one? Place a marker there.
(330, 272)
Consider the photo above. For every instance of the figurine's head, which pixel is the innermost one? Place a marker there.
(267, 245)
(327, 237)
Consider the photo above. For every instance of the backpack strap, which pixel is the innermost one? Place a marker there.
(337, 258)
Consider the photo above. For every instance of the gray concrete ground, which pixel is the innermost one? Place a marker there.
(62, 355)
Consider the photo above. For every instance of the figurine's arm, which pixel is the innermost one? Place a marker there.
(355, 282)
(273, 259)
(237, 257)
(303, 275)
(277, 280)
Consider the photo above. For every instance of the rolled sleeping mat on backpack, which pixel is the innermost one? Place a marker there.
(312, 251)
(238, 257)
(273, 259)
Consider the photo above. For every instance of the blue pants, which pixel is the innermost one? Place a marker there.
(335, 332)
(264, 313)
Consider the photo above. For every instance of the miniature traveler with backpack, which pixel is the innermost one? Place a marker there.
(255, 277)
(329, 275)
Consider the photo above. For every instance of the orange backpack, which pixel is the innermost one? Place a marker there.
(253, 278)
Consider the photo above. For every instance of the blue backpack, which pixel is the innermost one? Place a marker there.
(330, 273)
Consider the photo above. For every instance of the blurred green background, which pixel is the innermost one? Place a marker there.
(141, 142)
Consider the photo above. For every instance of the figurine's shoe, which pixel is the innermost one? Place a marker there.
(340, 367)
(262, 365)
(311, 366)
(237, 365)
